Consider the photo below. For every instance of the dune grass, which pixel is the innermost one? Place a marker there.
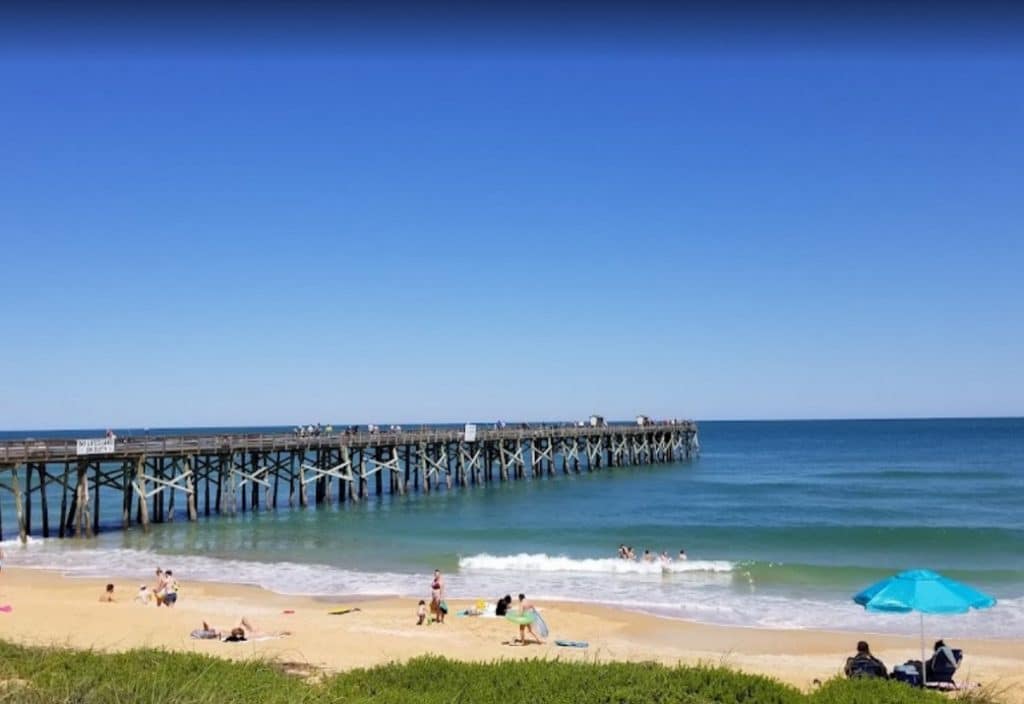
(55, 676)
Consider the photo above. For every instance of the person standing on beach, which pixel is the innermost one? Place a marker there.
(526, 607)
(170, 593)
(158, 588)
(437, 597)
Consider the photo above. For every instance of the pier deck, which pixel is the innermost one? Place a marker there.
(225, 473)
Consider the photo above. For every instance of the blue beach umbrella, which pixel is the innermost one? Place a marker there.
(923, 591)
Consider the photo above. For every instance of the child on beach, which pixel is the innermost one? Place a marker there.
(144, 596)
(526, 607)
(108, 594)
(421, 613)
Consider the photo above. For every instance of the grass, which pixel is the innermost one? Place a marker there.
(55, 676)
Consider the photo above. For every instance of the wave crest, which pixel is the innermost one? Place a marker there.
(541, 562)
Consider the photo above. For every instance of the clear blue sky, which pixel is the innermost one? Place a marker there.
(207, 234)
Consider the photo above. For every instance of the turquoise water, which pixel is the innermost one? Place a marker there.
(782, 521)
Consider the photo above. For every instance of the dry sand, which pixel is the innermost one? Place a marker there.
(49, 609)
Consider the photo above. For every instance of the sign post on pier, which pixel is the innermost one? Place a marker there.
(470, 432)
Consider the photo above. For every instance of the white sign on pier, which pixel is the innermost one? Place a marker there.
(94, 446)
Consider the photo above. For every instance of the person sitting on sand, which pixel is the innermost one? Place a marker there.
(108, 594)
(501, 608)
(144, 596)
(864, 664)
(526, 607)
(421, 613)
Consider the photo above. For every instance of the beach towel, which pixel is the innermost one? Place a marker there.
(342, 612)
(204, 634)
(6, 608)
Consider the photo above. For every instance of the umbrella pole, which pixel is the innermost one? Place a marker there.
(924, 669)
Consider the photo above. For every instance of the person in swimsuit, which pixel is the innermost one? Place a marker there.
(245, 630)
(158, 588)
(437, 596)
(108, 594)
(169, 596)
(526, 607)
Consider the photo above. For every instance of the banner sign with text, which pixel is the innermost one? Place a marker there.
(95, 446)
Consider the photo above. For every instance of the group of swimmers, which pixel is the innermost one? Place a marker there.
(626, 553)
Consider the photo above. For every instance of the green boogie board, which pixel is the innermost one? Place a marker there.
(521, 619)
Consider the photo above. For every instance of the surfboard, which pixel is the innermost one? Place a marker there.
(342, 612)
(539, 626)
(521, 619)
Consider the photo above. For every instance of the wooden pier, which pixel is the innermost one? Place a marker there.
(224, 474)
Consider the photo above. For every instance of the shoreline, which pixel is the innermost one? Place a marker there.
(52, 609)
(651, 612)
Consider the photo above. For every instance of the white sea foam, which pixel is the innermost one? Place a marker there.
(541, 562)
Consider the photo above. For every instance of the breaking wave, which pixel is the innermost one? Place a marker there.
(541, 562)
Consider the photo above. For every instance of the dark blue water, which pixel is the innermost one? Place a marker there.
(782, 521)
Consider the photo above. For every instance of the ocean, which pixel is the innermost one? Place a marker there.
(782, 521)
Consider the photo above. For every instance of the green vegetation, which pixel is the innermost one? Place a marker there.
(54, 676)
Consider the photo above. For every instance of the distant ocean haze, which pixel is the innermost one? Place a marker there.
(782, 522)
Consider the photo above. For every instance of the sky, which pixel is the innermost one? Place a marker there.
(298, 218)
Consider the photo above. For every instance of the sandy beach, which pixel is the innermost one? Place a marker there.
(50, 609)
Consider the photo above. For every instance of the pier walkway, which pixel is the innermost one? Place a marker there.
(226, 473)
